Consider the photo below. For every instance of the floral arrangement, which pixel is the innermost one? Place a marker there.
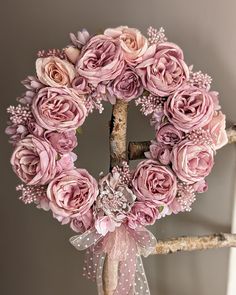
(120, 64)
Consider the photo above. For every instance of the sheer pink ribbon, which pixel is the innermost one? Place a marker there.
(125, 246)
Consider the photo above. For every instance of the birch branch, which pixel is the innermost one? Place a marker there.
(220, 240)
(136, 150)
(118, 154)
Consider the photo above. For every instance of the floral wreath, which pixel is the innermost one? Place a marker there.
(120, 64)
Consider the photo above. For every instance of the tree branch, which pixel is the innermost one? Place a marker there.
(136, 150)
(118, 154)
(220, 240)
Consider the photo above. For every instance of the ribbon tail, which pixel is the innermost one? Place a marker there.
(86, 240)
(99, 279)
(141, 283)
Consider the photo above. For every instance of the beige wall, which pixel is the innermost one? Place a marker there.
(36, 256)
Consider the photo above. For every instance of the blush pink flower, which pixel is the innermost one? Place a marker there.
(101, 60)
(71, 194)
(62, 142)
(72, 53)
(34, 161)
(216, 128)
(55, 72)
(142, 213)
(163, 69)
(105, 224)
(159, 152)
(59, 109)
(168, 134)
(35, 129)
(154, 183)
(80, 85)
(127, 86)
(82, 223)
(189, 108)
(192, 162)
(200, 186)
(66, 162)
(132, 42)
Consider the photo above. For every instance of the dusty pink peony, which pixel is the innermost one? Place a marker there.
(168, 134)
(54, 72)
(159, 152)
(82, 223)
(163, 69)
(71, 194)
(132, 42)
(101, 60)
(154, 183)
(62, 142)
(127, 86)
(142, 213)
(216, 128)
(59, 109)
(192, 162)
(34, 161)
(190, 108)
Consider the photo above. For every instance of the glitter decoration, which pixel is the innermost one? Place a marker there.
(199, 79)
(124, 172)
(52, 52)
(150, 104)
(200, 136)
(156, 36)
(31, 194)
(20, 115)
(185, 196)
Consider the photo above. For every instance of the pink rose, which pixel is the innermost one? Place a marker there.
(34, 161)
(192, 162)
(82, 223)
(127, 86)
(59, 109)
(168, 134)
(71, 194)
(63, 142)
(216, 128)
(55, 72)
(142, 213)
(159, 152)
(189, 108)
(163, 69)
(154, 183)
(101, 60)
(132, 42)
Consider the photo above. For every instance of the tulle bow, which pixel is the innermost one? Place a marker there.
(123, 248)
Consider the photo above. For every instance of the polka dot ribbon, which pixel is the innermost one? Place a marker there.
(124, 248)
